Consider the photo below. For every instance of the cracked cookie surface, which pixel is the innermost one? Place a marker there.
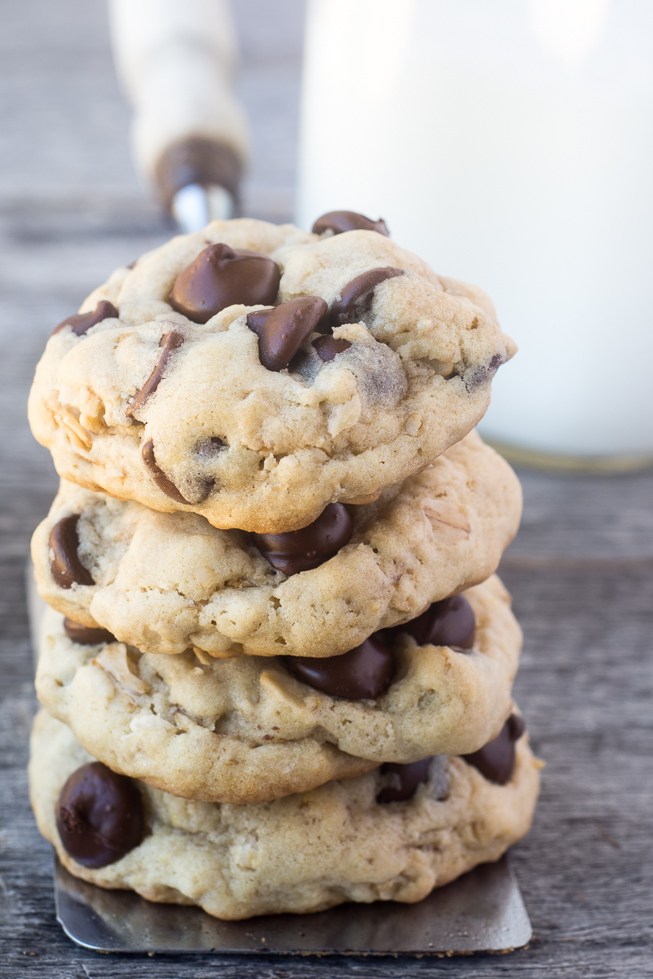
(248, 729)
(305, 852)
(389, 366)
(164, 583)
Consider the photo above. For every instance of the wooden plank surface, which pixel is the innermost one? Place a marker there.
(70, 210)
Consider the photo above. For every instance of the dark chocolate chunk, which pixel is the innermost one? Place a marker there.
(282, 330)
(328, 346)
(356, 297)
(168, 342)
(99, 815)
(496, 760)
(516, 726)
(339, 221)
(85, 635)
(219, 277)
(402, 780)
(165, 485)
(363, 673)
(300, 550)
(65, 565)
(81, 322)
(450, 622)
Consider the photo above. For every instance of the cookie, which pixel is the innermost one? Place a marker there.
(167, 582)
(253, 729)
(253, 374)
(302, 853)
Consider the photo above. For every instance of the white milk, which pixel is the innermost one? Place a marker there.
(509, 143)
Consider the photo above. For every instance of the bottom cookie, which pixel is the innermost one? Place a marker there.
(345, 841)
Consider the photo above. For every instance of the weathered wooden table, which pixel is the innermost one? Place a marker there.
(581, 571)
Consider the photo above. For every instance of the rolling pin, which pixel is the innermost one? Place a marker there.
(175, 60)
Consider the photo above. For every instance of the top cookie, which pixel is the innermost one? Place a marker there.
(254, 373)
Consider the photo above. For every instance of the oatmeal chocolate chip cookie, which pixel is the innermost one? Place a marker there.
(340, 842)
(164, 583)
(253, 374)
(252, 729)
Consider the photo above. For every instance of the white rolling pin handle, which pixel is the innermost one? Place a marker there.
(175, 59)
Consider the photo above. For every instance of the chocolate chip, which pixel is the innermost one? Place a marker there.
(168, 342)
(328, 346)
(99, 815)
(496, 760)
(356, 297)
(481, 375)
(85, 635)
(219, 277)
(301, 550)
(516, 726)
(339, 221)
(282, 330)
(402, 781)
(65, 565)
(450, 622)
(80, 323)
(165, 485)
(363, 673)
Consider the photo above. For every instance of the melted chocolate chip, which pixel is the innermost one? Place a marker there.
(85, 635)
(282, 330)
(516, 726)
(328, 346)
(169, 342)
(301, 550)
(402, 781)
(80, 323)
(339, 221)
(481, 375)
(165, 485)
(99, 815)
(63, 543)
(450, 622)
(219, 277)
(496, 760)
(363, 673)
(356, 297)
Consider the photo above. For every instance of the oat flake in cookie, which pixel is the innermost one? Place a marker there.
(254, 373)
(346, 841)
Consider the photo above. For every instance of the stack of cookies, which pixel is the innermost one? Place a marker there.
(277, 666)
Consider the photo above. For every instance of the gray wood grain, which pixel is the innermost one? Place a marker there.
(581, 570)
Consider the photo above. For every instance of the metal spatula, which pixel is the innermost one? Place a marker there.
(481, 912)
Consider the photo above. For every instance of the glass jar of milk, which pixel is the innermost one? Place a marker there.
(509, 143)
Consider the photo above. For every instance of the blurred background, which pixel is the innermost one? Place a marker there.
(73, 206)
(509, 146)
